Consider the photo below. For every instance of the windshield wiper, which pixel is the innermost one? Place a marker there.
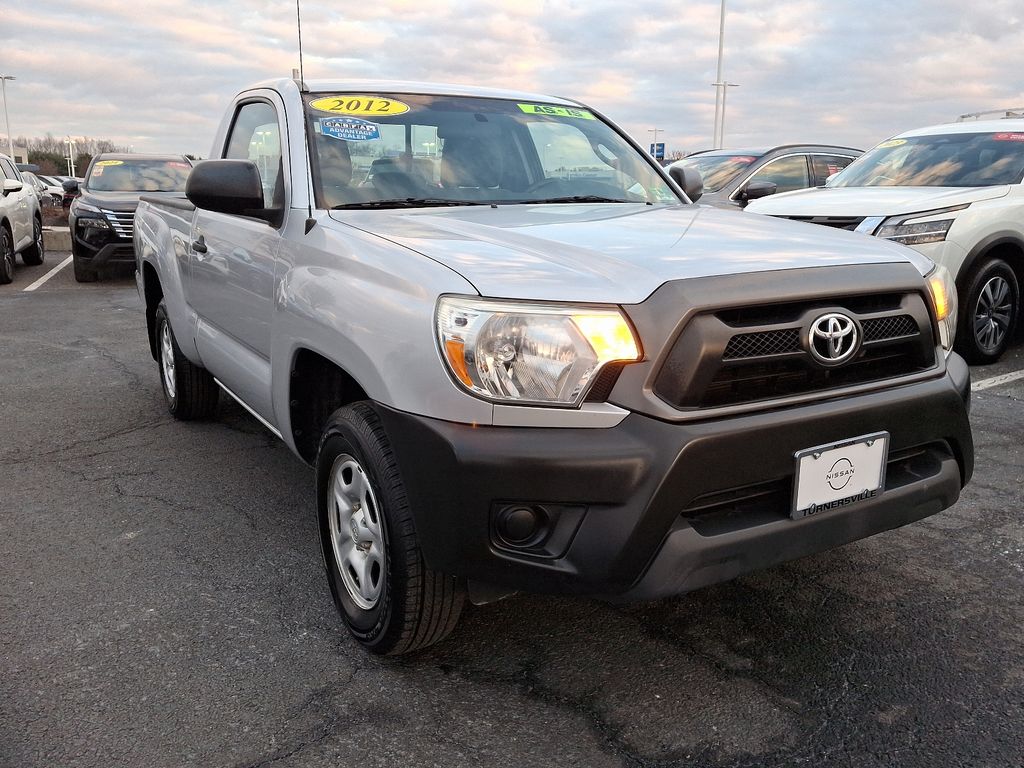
(408, 202)
(576, 199)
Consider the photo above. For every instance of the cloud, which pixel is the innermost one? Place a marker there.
(156, 75)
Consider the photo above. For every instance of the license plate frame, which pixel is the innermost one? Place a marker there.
(815, 484)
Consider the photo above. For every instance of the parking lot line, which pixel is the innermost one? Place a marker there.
(48, 275)
(995, 381)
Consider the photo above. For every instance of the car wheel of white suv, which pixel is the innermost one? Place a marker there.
(988, 312)
(6, 256)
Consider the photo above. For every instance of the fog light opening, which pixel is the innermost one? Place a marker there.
(522, 526)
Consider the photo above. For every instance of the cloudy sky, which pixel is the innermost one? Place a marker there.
(157, 75)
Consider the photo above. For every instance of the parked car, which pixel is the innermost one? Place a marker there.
(37, 186)
(21, 221)
(545, 371)
(103, 209)
(733, 177)
(54, 189)
(952, 192)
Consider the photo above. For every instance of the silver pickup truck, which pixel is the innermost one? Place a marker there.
(519, 358)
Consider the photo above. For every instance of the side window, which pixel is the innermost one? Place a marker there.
(826, 165)
(8, 169)
(256, 136)
(787, 173)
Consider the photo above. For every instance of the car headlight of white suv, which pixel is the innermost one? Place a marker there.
(911, 230)
(530, 353)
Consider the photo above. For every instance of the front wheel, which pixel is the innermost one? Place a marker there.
(390, 601)
(84, 272)
(988, 312)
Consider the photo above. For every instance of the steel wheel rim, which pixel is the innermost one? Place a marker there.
(167, 360)
(992, 313)
(357, 538)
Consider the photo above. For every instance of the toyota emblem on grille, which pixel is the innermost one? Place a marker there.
(833, 339)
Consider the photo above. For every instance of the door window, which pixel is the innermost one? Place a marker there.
(787, 173)
(256, 136)
(825, 165)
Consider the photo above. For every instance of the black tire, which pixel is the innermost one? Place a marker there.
(6, 256)
(190, 391)
(84, 272)
(989, 310)
(33, 255)
(416, 607)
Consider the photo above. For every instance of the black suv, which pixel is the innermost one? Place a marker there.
(732, 177)
(102, 216)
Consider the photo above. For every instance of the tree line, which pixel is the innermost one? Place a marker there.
(49, 153)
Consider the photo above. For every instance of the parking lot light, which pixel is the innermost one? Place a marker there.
(7, 119)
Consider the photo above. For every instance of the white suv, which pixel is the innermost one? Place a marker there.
(952, 192)
(21, 223)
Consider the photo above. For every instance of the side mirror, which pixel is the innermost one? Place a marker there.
(689, 179)
(757, 189)
(12, 185)
(227, 186)
(70, 186)
(828, 179)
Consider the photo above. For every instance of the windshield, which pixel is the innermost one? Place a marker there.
(946, 160)
(378, 150)
(718, 170)
(138, 176)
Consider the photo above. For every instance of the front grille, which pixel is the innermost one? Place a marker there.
(897, 327)
(122, 222)
(753, 354)
(838, 222)
(763, 344)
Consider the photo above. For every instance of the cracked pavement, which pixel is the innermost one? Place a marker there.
(162, 603)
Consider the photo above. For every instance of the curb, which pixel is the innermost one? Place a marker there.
(57, 238)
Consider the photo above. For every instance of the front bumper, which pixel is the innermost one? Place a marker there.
(649, 508)
(102, 247)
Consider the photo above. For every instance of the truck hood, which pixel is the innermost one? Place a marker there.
(614, 253)
(871, 201)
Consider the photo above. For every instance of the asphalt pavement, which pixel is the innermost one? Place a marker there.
(162, 603)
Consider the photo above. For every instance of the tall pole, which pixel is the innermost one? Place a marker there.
(654, 146)
(719, 86)
(7, 120)
(725, 89)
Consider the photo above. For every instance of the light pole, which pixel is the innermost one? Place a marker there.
(654, 144)
(719, 83)
(71, 156)
(720, 138)
(7, 120)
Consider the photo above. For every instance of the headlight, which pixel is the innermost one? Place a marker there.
(944, 300)
(546, 354)
(88, 222)
(909, 231)
(79, 207)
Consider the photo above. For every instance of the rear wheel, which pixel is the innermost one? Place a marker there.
(390, 601)
(34, 254)
(190, 390)
(988, 312)
(6, 256)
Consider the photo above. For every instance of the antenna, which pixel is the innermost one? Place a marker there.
(302, 74)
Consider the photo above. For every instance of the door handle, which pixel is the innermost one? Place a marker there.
(199, 245)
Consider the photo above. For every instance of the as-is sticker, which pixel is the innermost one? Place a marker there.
(349, 128)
